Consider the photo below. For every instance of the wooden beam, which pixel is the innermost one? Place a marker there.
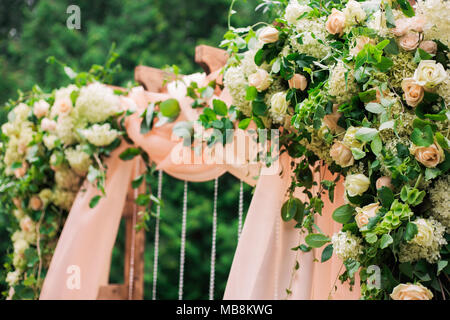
(152, 79)
(210, 59)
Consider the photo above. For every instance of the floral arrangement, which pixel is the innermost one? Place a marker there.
(50, 144)
(362, 87)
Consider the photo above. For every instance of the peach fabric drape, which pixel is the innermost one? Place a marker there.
(263, 261)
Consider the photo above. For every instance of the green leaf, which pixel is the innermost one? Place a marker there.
(407, 269)
(411, 231)
(390, 20)
(94, 201)
(170, 108)
(386, 196)
(375, 108)
(143, 200)
(371, 237)
(288, 210)
(431, 173)
(406, 8)
(137, 182)
(443, 142)
(421, 55)
(316, 240)
(368, 96)
(220, 107)
(385, 241)
(343, 214)
(259, 108)
(243, 124)
(327, 253)
(441, 265)
(376, 145)
(358, 154)
(251, 93)
(366, 134)
(129, 154)
(422, 137)
(392, 47)
(16, 165)
(385, 64)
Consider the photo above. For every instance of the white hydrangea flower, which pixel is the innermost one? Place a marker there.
(65, 130)
(100, 135)
(78, 159)
(294, 10)
(20, 246)
(96, 103)
(63, 199)
(309, 44)
(342, 89)
(346, 245)
(13, 277)
(437, 15)
(67, 179)
(440, 198)
(50, 141)
(235, 82)
(178, 88)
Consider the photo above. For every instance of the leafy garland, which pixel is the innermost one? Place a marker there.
(362, 88)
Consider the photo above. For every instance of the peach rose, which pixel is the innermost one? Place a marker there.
(384, 182)
(360, 43)
(365, 213)
(413, 92)
(35, 203)
(331, 120)
(411, 291)
(260, 80)
(402, 26)
(417, 23)
(63, 106)
(20, 172)
(335, 22)
(26, 224)
(298, 81)
(268, 35)
(409, 41)
(428, 46)
(48, 125)
(430, 156)
(41, 108)
(341, 154)
(17, 203)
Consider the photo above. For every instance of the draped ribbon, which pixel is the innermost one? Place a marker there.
(263, 262)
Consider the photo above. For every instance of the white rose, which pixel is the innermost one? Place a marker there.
(260, 80)
(424, 236)
(429, 73)
(278, 103)
(350, 138)
(411, 292)
(356, 184)
(20, 246)
(41, 108)
(268, 35)
(354, 13)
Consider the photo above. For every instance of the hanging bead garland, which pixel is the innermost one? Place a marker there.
(133, 240)
(156, 251)
(241, 208)
(183, 242)
(213, 245)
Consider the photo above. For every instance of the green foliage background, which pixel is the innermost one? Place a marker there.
(149, 32)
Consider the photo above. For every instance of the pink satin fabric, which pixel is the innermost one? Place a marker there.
(263, 261)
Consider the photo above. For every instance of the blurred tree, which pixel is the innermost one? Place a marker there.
(149, 32)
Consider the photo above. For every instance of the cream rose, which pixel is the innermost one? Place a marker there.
(411, 291)
(342, 155)
(402, 26)
(48, 125)
(409, 41)
(35, 203)
(384, 182)
(360, 43)
(278, 103)
(298, 81)
(428, 46)
(365, 213)
(430, 156)
(350, 138)
(40, 108)
(429, 73)
(331, 120)
(424, 236)
(260, 80)
(417, 23)
(268, 35)
(356, 184)
(335, 22)
(413, 92)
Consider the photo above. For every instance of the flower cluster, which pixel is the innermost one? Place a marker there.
(49, 144)
(365, 88)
